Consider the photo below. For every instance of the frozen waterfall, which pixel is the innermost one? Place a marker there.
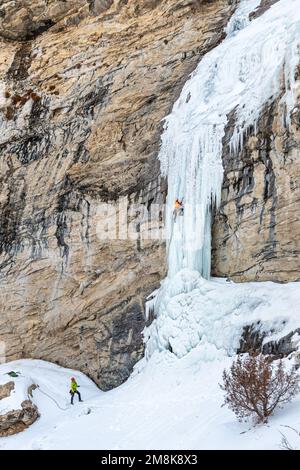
(242, 74)
(254, 64)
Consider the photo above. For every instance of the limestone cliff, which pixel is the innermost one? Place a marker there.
(83, 87)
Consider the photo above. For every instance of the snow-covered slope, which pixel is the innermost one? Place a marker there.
(168, 403)
(51, 397)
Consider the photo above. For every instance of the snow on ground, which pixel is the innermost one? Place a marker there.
(169, 402)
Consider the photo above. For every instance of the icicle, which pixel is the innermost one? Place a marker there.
(240, 75)
(150, 305)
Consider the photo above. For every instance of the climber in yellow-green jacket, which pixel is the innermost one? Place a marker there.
(74, 389)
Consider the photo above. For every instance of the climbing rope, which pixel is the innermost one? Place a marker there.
(51, 398)
(42, 391)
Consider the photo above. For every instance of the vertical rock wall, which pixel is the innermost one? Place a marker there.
(84, 86)
(256, 233)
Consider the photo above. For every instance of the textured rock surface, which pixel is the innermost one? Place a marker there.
(284, 346)
(254, 341)
(5, 389)
(256, 235)
(15, 421)
(82, 95)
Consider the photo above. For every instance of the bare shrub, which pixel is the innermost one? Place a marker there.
(255, 387)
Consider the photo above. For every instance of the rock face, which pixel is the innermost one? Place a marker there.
(254, 341)
(16, 421)
(256, 234)
(84, 86)
(27, 19)
(6, 389)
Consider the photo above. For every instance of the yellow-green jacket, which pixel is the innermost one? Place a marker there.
(74, 386)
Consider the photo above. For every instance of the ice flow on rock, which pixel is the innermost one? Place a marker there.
(254, 64)
(241, 74)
